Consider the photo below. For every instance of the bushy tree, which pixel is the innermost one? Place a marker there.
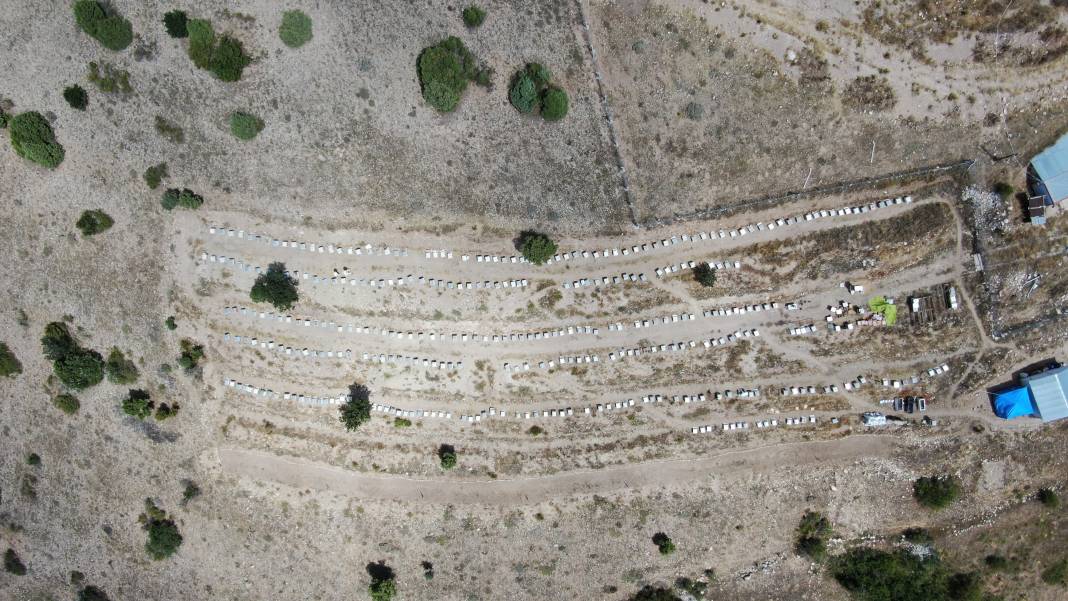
(245, 126)
(876, 575)
(704, 275)
(554, 104)
(176, 22)
(33, 139)
(67, 403)
(536, 248)
(275, 286)
(138, 403)
(444, 70)
(75, 366)
(120, 370)
(664, 543)
(163, 536)
(296, 28)
(185, 198)
(191, 354)
(93, 222)
(76, 97)
(9, 363)
(812, 533)
(447, 456)
(223, 56)
(523, 94)
(13, 564)
(154, 175)
(357, 409)
(112, 31)
(936, 492)
(474, 16)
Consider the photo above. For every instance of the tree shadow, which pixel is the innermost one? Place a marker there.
(359, 392)
(380, 571)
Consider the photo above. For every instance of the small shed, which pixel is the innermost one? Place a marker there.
(1036, 210)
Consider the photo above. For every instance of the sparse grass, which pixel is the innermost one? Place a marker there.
(869, 93)
(296, 29)
(169, 131)
(109, 79)
(1056, 574)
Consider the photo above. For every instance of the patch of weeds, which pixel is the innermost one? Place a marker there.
(109, 79)
(245, 126)
(169, 130)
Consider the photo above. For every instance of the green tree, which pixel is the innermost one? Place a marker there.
(223, 56)
(245, 126)
(80, 369)
(296, 28)
(447, 456)
(705, 275)
(33, 139)
(812, 533)
(664, 543)
(554, 104)
(163, 536)
(185, 198)
(176, 22)
(67, 403)
(357, 409)
(154, 175)
(76, 97)
(276, 287)
(93, 222)
(112, 31)
(536, 248)
(13, 564)
(9, 363)
(138, 404)
(936, 492)
(474, 16)
(444, 70)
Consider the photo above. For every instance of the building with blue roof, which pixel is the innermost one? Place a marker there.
(1048, 173)
(1043, 395)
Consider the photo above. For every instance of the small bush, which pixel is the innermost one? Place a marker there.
(447, 456)
(76, 97)
(120, 370)
(869, 93)
(94, 222)
(112, 31)
(166, 411)
(917, 536)
(223, 56)
(535, 430)
(536, 248)
(33, 139)
(474, 16)
(812, 533)
(1049, 498)
(13, 564)
(9, 363)
(936, 492)
(383, 590)
(191, 354)
(444, 70)
(191, 492)
(154, 175)
(176, 22)
(664, 543)
(245, 126)
(169, 130)
(296, 29)
(171, 323)
(185, 198)
(67, 403)
(109, 79)
(523, 94)
(357, 410)
(1005, 191)
(1056, 573)
(401, 422)
(137, 403)
(276, 287)
(163, 536)
(554, 104)
(704, 275)
(33, 459)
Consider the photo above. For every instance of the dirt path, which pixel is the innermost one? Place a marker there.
(300, 473)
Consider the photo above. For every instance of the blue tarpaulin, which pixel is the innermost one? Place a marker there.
(1013, 403)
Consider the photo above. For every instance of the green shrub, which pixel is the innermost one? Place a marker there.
(918, 536)
(112, 31)
(138, 403)
(176, 22)
(275, 286)
(169, 130)
(163, 536)
(12, 563)
(536, 248)
(165, 411)
(75, 366)
(875, 575)
(223, 56)
(400, 422)
(523, 94)
(245, 126)
(93, 222)
(76, 97)
(191, 354)
(191, 492)
(154, 175)
(9, 363)
(357, 409)
(936, 492)
(554, 104)
(3, 119)
(705, 275)
(33, 459)
(812, 533)
(120, 370)
(1056, 573)
(447, 456)
(383, 590)
(474, 16)
(67, 403)
(655, 593)
(1049, 498)
(109, 79)
(185, 198)
(171, 323)
(33, 139)
(664, 543)
(296, 28)
(444, 70)
(1005, 191)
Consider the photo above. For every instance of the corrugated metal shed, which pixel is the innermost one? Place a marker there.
(1051, 166)
(1049, 390)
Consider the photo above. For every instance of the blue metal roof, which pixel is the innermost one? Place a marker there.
(1051, 165)
(1049, 390)
(1013, 403)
